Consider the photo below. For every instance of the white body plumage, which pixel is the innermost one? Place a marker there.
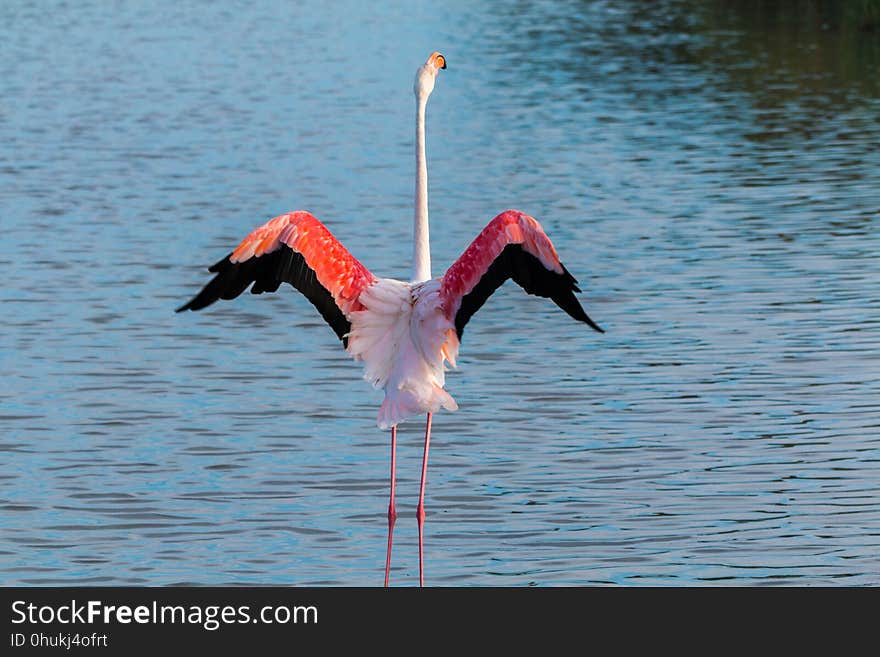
(404, 340)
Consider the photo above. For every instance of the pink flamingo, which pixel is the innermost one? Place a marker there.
(403, 332)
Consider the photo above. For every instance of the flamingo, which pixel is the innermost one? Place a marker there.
(405, 332)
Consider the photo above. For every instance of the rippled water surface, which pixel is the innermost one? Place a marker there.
(710, 173)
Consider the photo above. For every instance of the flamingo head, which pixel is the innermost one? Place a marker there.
(427, 73)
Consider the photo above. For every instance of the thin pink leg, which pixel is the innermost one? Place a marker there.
(420, 510)
(392, 512)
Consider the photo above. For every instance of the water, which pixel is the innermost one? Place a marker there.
(710, 175)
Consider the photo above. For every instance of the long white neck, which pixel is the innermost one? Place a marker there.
(421, 241)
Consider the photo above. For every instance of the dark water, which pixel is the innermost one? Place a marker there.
(710, 172)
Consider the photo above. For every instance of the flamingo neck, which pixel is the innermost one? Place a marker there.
(421, 240)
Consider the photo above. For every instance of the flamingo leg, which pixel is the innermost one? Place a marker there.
(420, 510)
(392, 512)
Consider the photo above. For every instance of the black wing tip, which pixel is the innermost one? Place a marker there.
(530, 274)
(221, 264)
(192, 304)
(265, 274)
(198, 302)
(571, 279)
(582, 315)
(574, 308)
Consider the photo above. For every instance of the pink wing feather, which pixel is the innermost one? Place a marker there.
(335, 268)
(512, 245)
(298, 249)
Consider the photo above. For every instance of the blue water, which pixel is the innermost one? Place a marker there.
(710, 176)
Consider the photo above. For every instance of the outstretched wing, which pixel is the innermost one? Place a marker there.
(513, 245)
(298, 249)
